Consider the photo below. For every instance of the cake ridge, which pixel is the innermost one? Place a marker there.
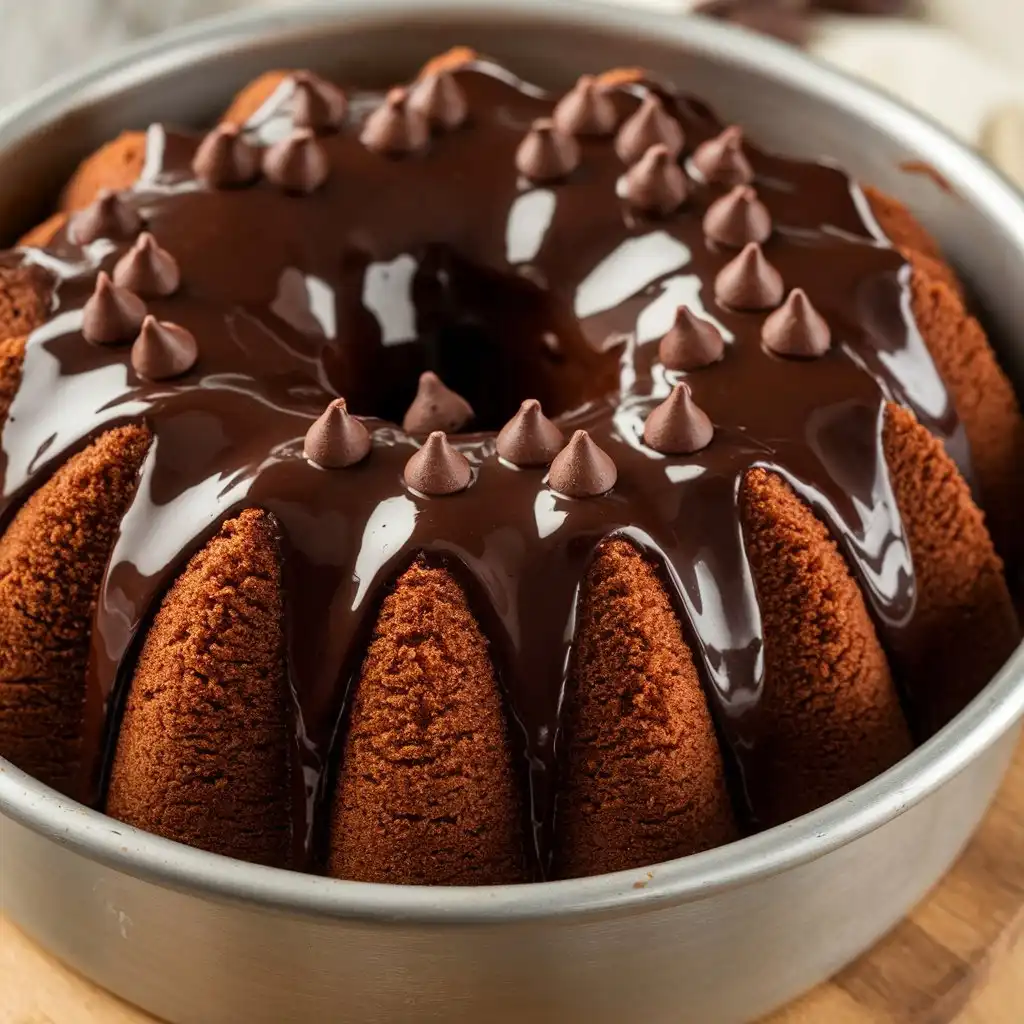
(564, 261)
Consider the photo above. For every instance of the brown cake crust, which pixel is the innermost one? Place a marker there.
(985, 402)
(936, 269)
(52, 560)
(964, 606)
(42, 234)
(203, 753)
(982, 393)
(426, 793)
(904, 230)
(12, 356)
(116, 165)
(644, 781)
(24, 301)
(913, 240)
(253, 96)
(831, 716)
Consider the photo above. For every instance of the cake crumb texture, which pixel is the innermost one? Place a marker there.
(426, 793)
(903, 229)
(117, 165)
(966, 621)
(253, 96)
(913, 240)
(24, 300)
(203, 755)
(934, 269)
(12, 356)
(42, 234)
(982, 393)
(985, 402)
(644, 780)
(52, 560)
(830, 718)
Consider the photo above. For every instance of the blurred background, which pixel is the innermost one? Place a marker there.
(961, 61)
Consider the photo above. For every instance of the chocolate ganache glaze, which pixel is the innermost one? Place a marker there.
(376, 253)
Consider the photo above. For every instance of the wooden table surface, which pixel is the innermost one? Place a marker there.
(958, 958)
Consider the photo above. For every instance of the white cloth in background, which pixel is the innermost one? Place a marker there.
(960, 68)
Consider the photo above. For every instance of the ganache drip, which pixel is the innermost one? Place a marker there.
(451, 260)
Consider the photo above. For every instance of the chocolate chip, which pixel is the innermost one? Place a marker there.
(529, 438)
(547, 154)
(337, 439)
(656, 183)
(737, 218)
(582, 469)
(691, 343)
(109, 216)
(163, 350)
(112, 314)
(586, 109)
(147, 269)
(437, 468)
(224, 159)
(721, 160)
(749, 282)
(796, 329)
(396, 127)
(317, 104)
(441, 100)
(650, 125)
(297, 164)
(436, 407)
(678, 426)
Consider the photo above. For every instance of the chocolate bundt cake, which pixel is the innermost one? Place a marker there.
(467, 485)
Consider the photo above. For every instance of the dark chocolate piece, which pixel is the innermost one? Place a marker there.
(438, 469)
(582, 469)
(651, 125)
(678, 426)
(298, 163)
(737, 218)
(147, 269)
(436, 407)
(108, 217)
(396, 127)
(656, 183)
(749, 282)
(317, 104)
(796, 329)
(691, 342)
(547, 154)
(441, 100)
(163, 350)
(529, 438)
(586, 109)
(721, 160)
(224, 158)
(112, 314)
(337, 439)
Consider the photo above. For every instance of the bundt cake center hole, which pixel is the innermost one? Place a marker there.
(494, 338)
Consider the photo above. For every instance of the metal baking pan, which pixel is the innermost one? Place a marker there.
(719, 937)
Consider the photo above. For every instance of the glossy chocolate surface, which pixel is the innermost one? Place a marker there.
(449, 260)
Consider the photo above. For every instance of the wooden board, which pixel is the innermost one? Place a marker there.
(958, 958)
